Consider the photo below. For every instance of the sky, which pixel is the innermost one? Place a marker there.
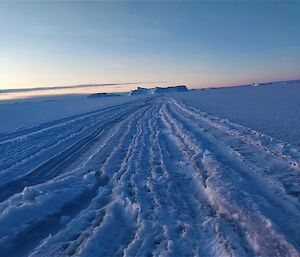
(199, 44)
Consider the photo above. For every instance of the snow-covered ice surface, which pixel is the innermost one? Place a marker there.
(149, 177)
(272, 109)
(18, 113)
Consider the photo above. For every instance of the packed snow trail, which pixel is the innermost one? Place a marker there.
(147, 178)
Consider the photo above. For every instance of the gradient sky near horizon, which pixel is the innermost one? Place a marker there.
(199, 44)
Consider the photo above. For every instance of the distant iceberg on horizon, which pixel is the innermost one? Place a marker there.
(98, 95)
(158, 90)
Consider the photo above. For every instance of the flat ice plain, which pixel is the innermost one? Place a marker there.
(192, 174)
(272, 109)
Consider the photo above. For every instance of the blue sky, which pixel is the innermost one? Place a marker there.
(195, 43)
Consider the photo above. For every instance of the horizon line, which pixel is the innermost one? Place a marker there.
(30, 89)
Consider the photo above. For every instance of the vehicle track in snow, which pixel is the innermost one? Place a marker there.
(149, 178)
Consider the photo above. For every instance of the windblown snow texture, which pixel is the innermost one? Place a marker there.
(151, 177)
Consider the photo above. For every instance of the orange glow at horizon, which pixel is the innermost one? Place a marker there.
(53, 92)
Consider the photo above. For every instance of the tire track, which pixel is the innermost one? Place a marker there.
(155, 179)
(247, 182)
(86, 201)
